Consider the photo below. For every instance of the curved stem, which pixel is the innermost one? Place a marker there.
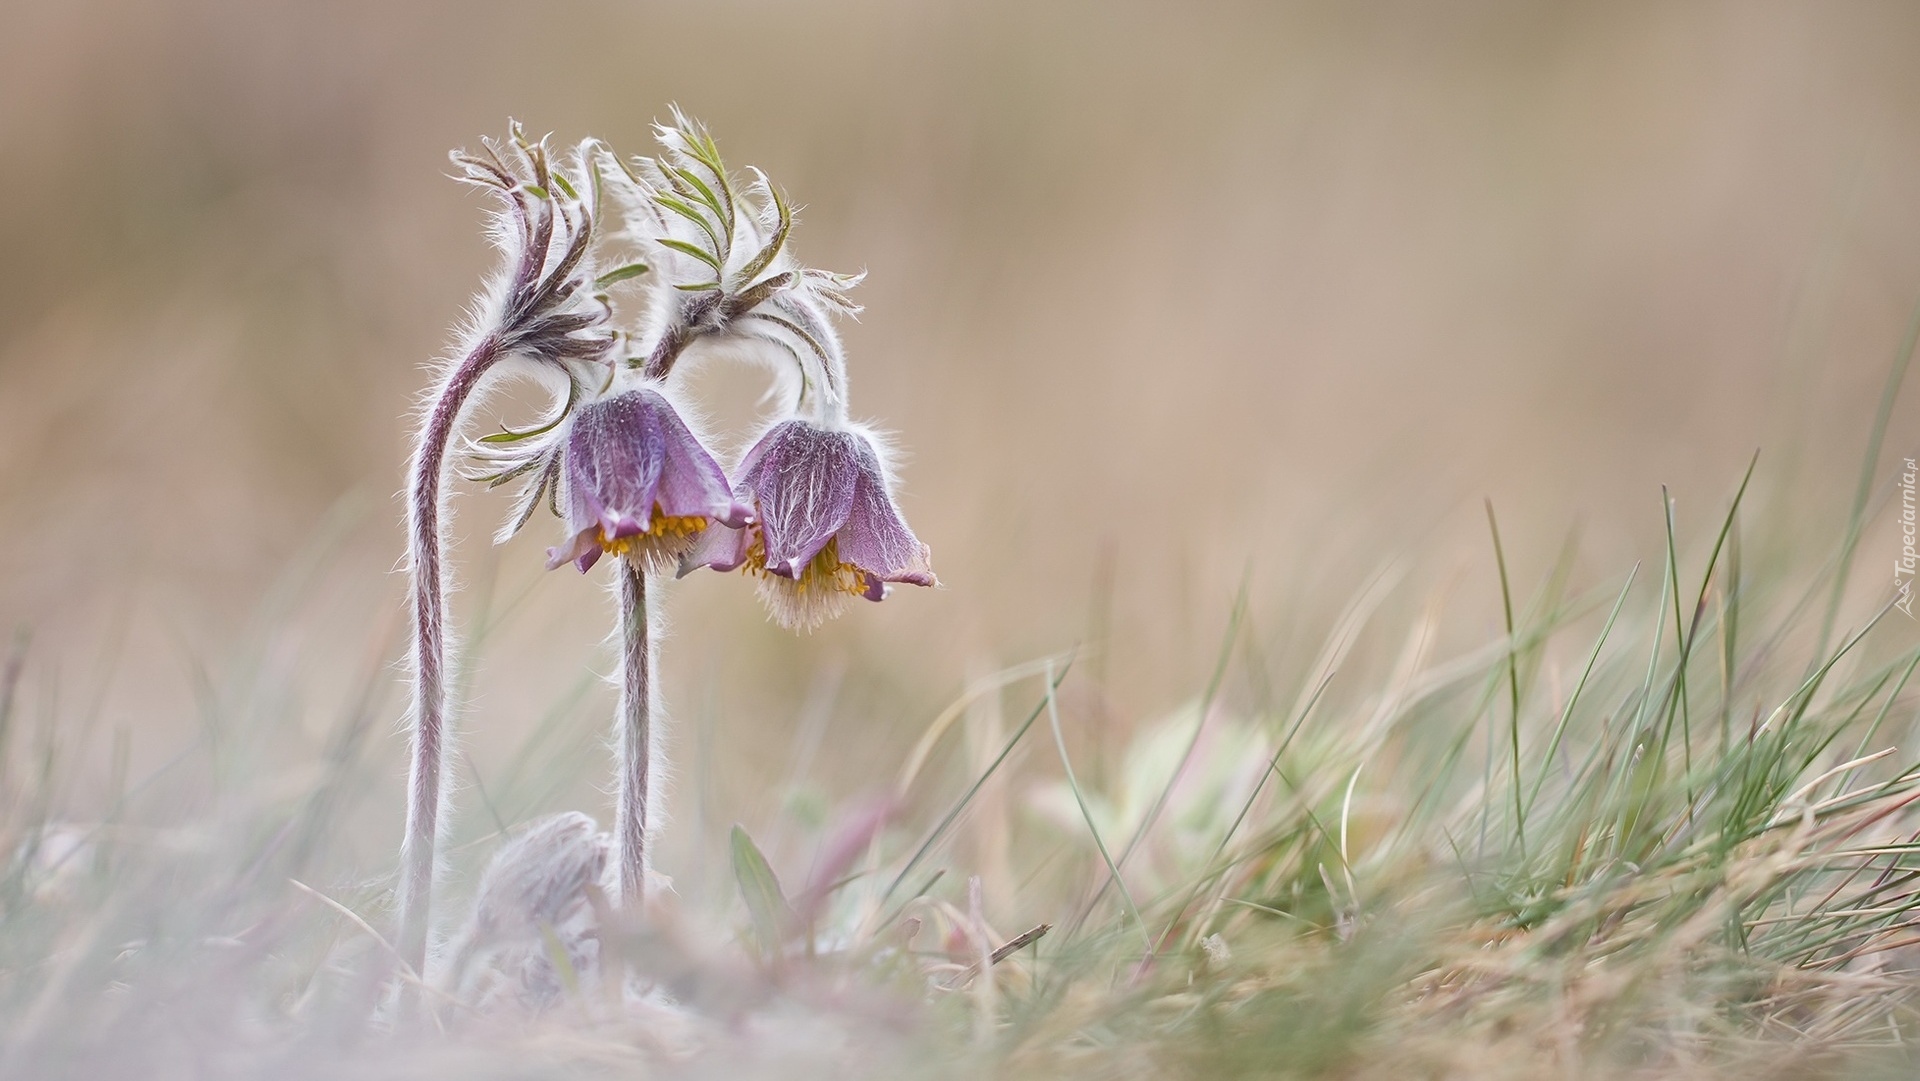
(693, 314)
(430, 649)
(633, 737)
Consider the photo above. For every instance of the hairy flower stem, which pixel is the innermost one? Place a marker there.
(430, 651)
(634, 737)
(698, 315)
(705, 314)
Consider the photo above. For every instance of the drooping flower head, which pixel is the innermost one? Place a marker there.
(634, 481)
(825, 527)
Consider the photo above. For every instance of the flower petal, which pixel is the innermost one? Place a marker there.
(719, 547)
(615, 452)
(875, 538)
(801, 480)
(582, 546)
(692, 484)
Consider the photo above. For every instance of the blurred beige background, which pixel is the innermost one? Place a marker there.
(1159, 295)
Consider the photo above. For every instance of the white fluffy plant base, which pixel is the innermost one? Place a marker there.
(534, 934)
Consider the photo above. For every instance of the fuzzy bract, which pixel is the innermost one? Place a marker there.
(635, 481)
(534, 928)
(825, 526)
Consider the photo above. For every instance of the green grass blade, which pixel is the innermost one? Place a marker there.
(1513, 681)
(1566, 712)
(1073, 783)
(953, 813)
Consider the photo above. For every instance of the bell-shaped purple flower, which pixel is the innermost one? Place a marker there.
(825, 527)
(636, 482)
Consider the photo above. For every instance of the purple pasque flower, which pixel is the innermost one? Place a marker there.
(635, 481)
(824, 528)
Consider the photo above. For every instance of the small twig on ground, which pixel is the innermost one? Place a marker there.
(1014, 945)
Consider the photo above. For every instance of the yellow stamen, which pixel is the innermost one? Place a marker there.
(818, 593)
(823, 572)
(662, 542)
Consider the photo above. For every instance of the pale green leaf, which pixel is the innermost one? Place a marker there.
(761, 890)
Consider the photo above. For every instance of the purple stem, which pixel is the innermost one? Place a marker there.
(633, 737)
(430, 651)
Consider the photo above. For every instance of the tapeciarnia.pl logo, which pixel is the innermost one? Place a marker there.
(1903, 567)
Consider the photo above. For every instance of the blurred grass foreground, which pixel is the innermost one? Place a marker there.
(1370, 645)
(1661, 826)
